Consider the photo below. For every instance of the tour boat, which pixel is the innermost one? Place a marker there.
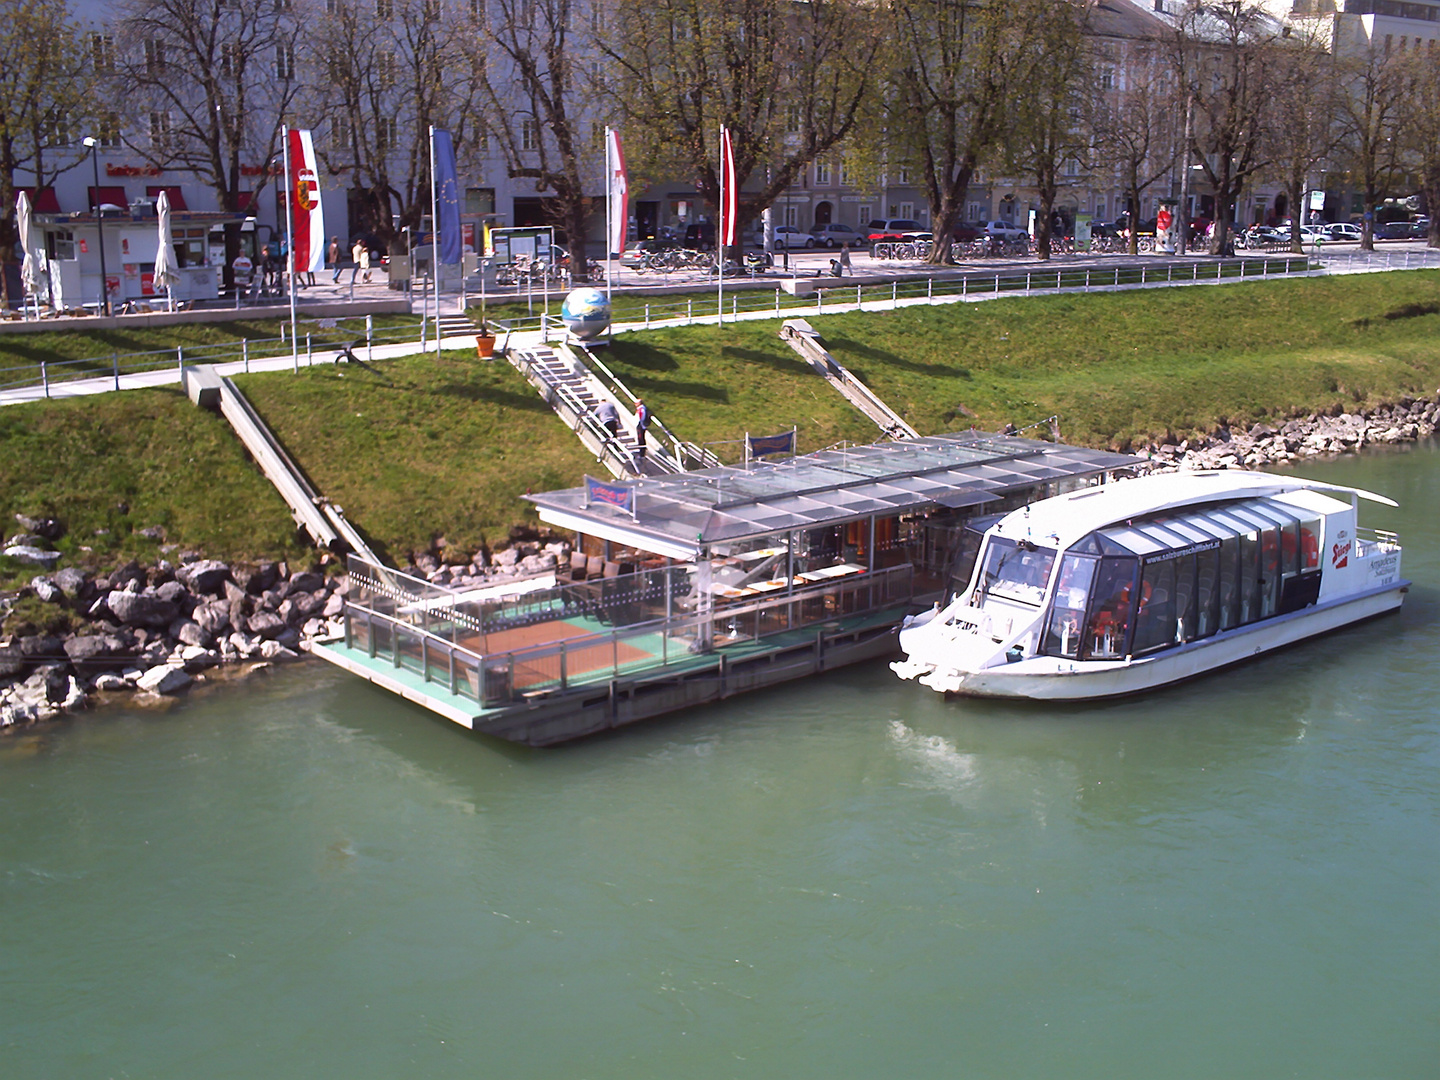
(1139, 583)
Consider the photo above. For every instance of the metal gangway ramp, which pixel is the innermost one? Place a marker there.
(323, 520)
(570, 386)
(804, 339)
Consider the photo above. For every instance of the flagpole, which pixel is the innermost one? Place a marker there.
(720, 237)
(434, 241)
(290, 242)
(609, 198)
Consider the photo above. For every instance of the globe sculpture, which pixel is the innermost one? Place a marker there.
(586, 313)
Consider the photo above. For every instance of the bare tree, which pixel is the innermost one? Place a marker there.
(1422, 130)
(539, 106)
(44, 101)
(1222, 51)
(1046, 129)
(1305, 104)
(788, 80)
(1134, 120)
(209, 84)
(956, 66)
(1371, 109)
(384, 73)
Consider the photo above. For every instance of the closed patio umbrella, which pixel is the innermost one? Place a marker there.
(165, 269)
(33, 270)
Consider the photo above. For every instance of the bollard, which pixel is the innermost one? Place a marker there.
(245, 353)
(777, 301)
(857, 297)
(690, 310)
(1027, 282)
(930, 289)
(309, 352)
(370, 338)
(647, 316)
(894, 295)
(45, 378)
(117, 369)
(180, 360)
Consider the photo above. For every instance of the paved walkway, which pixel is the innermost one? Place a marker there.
(1336, 260)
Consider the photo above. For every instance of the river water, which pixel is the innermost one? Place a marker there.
(849, 876)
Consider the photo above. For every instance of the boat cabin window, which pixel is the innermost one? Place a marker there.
(1114, 592)
(972, 536)
(1310, 544)
(1067, 615)
(1016, 570)
(1155, 614)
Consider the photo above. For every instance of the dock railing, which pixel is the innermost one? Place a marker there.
(420, 639)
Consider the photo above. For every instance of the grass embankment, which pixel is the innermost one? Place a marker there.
(425, 447)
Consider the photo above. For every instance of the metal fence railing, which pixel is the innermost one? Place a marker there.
(313, 336)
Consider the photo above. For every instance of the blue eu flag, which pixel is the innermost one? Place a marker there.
(447, 200)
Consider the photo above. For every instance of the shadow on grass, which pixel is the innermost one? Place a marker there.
(789, 365)
(670, 388)
(647, 357)
(492, 394)
(883, 356)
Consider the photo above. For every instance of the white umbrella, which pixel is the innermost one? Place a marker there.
(165, 270)
(33, 271)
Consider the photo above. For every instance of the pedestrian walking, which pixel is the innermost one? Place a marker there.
(356, 254)
(642, 425)
(844, 259)
(365, 263)
(608, 416)
(334, 256)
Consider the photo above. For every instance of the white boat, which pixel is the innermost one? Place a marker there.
(1140, 583)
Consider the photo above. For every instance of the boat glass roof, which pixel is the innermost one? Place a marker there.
(1171, 532)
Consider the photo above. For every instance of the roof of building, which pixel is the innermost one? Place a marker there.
(678, 515)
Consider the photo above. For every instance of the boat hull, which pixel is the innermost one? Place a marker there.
(1045, 678)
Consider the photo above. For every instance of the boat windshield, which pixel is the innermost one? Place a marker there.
(1016, 570)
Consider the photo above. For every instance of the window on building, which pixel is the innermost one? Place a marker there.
(154, 56)
(102, 53)
(792, 216)
(906, 210)
(387, 134)
(1107, 78)
(529, 135)
(160, 131)
(480, 200)
(384, 9)
(792, 118)
(822, 174)
(229, 60)
(59, 131)
(285, 61)
(902, 176)
(975, 211)
(867, 212)
(108, 130)
(340, 133)
(847, 174)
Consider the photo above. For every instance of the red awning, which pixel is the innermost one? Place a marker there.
(109, 196)
(44, 203)
(177, 197)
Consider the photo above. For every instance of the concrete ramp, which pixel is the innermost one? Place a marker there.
(323, 520)
(805, 340)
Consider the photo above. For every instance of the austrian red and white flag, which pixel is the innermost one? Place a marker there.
(308, 243)
(618, 190)
(729, 197)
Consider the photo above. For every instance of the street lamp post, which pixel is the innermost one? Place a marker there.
(94, 145)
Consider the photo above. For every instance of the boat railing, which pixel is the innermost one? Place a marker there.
(1381, 539)
(503, 677)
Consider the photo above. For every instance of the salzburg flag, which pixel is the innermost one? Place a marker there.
(619, 193)
(729, 203)
(309, 239)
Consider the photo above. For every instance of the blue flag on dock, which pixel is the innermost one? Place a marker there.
(620, 496)
(447, 200)
(761, 445)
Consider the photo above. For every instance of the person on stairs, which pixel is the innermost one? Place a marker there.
(642, 425)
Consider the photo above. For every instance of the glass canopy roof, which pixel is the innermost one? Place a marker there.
(721, 505)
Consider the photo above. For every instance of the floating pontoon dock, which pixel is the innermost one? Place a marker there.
(700, 585)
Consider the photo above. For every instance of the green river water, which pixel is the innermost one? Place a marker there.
(846, 877)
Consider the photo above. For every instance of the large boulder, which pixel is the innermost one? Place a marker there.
(266, 624)
(47, 590)
(32, 556)
(72, 580)
(306, 581)
(48, 528)
(166, 679)
(142, 609)
(99, 652)
(207, 576)
(12, 662)
(213, 617)
(262, 578)
(42, 647)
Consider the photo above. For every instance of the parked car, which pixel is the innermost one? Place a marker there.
(1393, 230)
(892, 229)
(1420, 228)
(635, 254)
(1006, 230)
(700, 236)
(1345, 231)
(836, 235)
(788, 236)
(1259, 235)
(967, 231)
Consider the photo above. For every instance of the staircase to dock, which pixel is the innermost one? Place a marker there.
(805, 340)
(570, 386)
